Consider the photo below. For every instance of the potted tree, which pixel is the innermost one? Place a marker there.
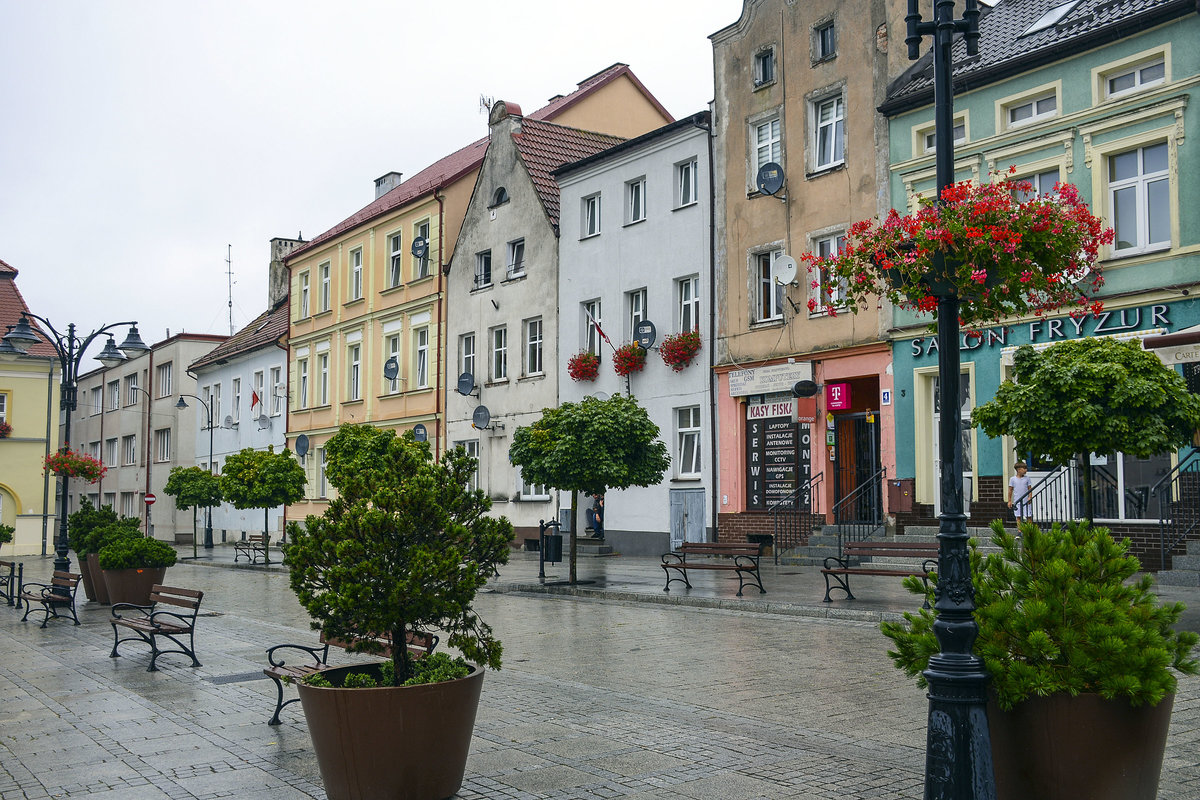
(1082, 660)
(262, 479)
(193, 487)
(88, 527)
(132, 563)
(402, 549)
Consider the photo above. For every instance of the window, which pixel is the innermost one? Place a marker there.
(303, 298)
(824, 41)
(129, 449)
(260, 400)
(635, 197)
(592, 330)
(421, 343)
(421, 265)
(472, 448)
(833, 296)
(1051, 17)
(687, 431)
(392, 347)
(516, 258)
(131, 389)
(688, 292)
(110, 499)
(499, 370)
(3, 406)
(1139, 199)
(830, 133)
(323, 274)
(483, 269)
(354, 372)
(1041, 183)
(929, 135)
(531, 491)
(767, 146)
(321, 486)
(302, 379)
(162, 444)
(97, 399)
(1129, 80)
(110, 452)
(1030, 110)
(114, 395)
(323, 379)
(216, 404)
(237, 399)
(163, 379)
(686, 175)
(591, 216)
(127, 499)
(769, 302)
(764, 67)
(466, 354)
(206, 396)
(278, 391)
(635, 301)
(396, 273)
(356, 273)
(499, 197)
(94, 450)
(533, 346)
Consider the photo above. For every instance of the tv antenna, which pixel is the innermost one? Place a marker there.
(229, 275)
(485, 103)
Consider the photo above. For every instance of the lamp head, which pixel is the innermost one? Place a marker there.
(110, 356)
(22, 335)
(182, 403)
(133, 345)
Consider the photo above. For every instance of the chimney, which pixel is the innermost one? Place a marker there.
(278, 279)
(505, 110)
(385, 184)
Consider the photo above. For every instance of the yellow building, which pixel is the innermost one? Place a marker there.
(365, 300)
(29, 395)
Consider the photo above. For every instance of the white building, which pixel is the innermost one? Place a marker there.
(635, 245)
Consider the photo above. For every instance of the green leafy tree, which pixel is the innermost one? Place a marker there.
(405, 546)
(6, 533)
(193, 488)
(591, 446)
(1094, 395)
(262, 479)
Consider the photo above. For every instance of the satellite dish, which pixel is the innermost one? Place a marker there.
(419, 433)
(770, 178)
(263, 421)
(804, 388)
(481, 418)
(391, 368)
(228, 421)
(645, 334)
(783, 270)
(466, 384)
(420, 247)
(302, 445)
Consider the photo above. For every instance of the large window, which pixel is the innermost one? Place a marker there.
(592, 329)
(129, 449)
(354, 372)
(323, 274)
(687, 430)
(516, 259)
(421, 266)
(686, 177)
(356, 273)
(97, 400)
(392, 347)
(302, 301)
(466, 353)
(302, 376)
(1140, 199)
(396, 272)
(483, 269)
(688, 292)
(163, 379)
(635, 301)
(421, 357)
(830, 132)
(635, 201)
(767, 143)
(834, 295)
(162, 444)
(110, 452)
(769, 300)
(533, 346)
(499, 370)
(591, 216)
(127, 504)
(323, 379)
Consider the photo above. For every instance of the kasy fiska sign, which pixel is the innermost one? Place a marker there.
(1047, 330)
(778, 453)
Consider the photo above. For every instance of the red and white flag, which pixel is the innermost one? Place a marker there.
(599, 330)
(254, 399)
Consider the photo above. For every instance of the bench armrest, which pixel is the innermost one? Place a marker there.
(674, 557)
(838, 563)
(930, 565)
(746, 561)
(43, 586)
(319, 655)
(185, 619)
(146, 611)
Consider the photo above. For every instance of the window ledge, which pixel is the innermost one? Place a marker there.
(589, 236)
(765, 323)
(634, 222)
(421, 279)
(520, 276)
(690, 204)
(353, 302)
(358, 402)
(822, 171)
(758, 87)
(686, 479)
(392, 289)
(497, 382)
(482, 288)
(327, 312)
(533, 376)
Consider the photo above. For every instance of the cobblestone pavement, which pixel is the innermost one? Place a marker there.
(601, 696)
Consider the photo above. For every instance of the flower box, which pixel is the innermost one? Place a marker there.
(678, 349)
(629, 358)
(75, 465)
(583, 366)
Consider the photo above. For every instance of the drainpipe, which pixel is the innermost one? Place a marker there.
(704, 123)
(439, 395)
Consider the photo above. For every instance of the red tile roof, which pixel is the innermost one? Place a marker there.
(266, 329)
(544, 147)
(12, 306)
(454, 166)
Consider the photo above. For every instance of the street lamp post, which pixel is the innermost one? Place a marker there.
(958, 754)
(208, 537)
(70, 349)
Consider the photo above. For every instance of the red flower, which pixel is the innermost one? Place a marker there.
(678, 349)
(75, 465)
(583, 366)
(629, 358)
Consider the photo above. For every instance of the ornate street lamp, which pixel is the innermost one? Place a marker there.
(958, 754)
(70, 349)
(208, 537)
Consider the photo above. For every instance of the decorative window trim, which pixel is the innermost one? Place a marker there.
(1103, 73)
(1005, 105)
(763, 77)
(816, 55)
(921, 133)
(816, 102)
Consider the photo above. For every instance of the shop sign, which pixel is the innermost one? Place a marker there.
(778, 455)
(766, 380)
(837, 396)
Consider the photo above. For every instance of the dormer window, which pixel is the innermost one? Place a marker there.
(500, 196)
(764, 67)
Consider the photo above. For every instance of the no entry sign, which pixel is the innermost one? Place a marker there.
(150, 499)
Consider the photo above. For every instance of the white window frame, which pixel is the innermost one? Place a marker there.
(237, 399)
(421, 357)
(467, 352)
(302, 379)
(498, 354)
(97, 400)
(257, 387)
(323, 272)
(591, 222)
(1033, 100)
(766, 141)
(127, 503)
(687, 174)
(635, 303)
(687, 294)
(483, 269)
(278, 391)
(353, 372)
(216, 404)
(1041, 182)
(162, 445)
(111, 451)
(302, 300)
(163, 378)
(823, 246)
(131, 389)
(926, 136)
(471, 446)
(421, 265)
(531, 492)
(1141, 184)
(635, 201)
(592, 325)
(391, 345)
(395, 260)
(129, 451)
(829, 127)
(824, 47)
(114, 395)
(688, 453)
(323, 378)
(516, 259)
(1140, 82)
(356, 273)
(534, 335)
(767, 292)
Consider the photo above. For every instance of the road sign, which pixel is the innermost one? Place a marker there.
(150, 499)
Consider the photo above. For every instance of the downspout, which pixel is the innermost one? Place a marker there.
(439, 409)
(46, 473)
(706, 126)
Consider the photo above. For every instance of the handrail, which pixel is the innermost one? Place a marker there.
(859, 529)
(1178, 520)
(790, 516)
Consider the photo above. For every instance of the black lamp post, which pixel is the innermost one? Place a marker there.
(958, 755)
(208, 537)
(70, 349)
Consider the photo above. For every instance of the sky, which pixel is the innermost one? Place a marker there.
(142, 142)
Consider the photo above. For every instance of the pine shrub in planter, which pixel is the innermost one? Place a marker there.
(135, 552)
(88, 528)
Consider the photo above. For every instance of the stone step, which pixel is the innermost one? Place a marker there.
(1178, 578)
(918, 533)
(1188, 563)
(1193, 547)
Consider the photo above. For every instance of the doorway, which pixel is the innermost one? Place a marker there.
(856, 467)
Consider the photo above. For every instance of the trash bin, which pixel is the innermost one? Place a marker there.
(553, 547)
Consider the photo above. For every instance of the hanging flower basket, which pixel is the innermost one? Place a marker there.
(629, 358)
(583, 366)
(5, 430)
(1004, 256)
(75, 465)
(678, 349)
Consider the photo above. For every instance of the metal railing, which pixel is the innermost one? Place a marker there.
(1058, 497)
(793, 515)
(1178, 495)
(859, 514)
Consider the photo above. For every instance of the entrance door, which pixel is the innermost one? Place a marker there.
(964, 412)
(857, 454)
(687, 516)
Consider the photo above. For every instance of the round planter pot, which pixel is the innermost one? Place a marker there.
(400, 743)
(1065, 748)
(98, 583)
(132, 585)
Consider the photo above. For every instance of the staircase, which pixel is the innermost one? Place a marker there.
(824, 543)
(1185, 569)
(586, 547)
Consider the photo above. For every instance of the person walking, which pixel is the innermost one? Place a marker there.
(595, 517)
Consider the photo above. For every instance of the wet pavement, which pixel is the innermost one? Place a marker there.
(610, 689)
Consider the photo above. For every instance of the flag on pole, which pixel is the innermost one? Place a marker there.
(599, 330)
(254, 399)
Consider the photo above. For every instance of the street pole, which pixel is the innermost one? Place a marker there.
(958, 754)
(208, 535)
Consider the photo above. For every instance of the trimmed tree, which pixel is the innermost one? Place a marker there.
(591, 446)
(405, 546)
(262, 479)
(194, 488)
(1093, 395)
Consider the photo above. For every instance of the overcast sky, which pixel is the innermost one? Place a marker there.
(139, 139)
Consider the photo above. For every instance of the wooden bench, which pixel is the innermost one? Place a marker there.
(419, 644)
(256, 544)
(59, 593)
(11, 576)
(739, 558)
(839, 570)
(150, 622)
